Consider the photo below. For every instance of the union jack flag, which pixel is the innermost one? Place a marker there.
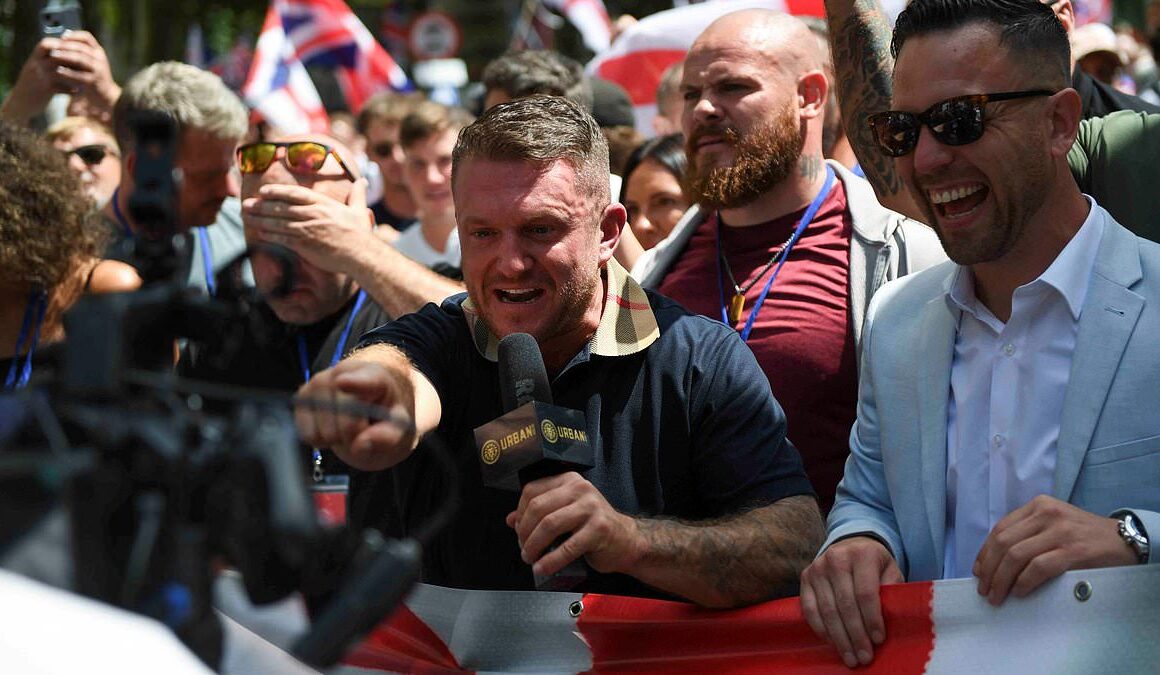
(307, 33)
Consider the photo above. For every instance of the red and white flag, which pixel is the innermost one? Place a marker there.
(1087, 621)
(323, 33)
(644, 50)
(590, 17)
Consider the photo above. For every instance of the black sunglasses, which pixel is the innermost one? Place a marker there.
(955, 121)
(302, 157)
(91, 154)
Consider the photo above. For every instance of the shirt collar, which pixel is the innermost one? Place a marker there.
(627, 323)
(1069, 274)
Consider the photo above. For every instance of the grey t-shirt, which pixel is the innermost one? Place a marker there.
(225, 237)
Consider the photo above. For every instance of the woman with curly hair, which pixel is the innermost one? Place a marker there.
(49, 245)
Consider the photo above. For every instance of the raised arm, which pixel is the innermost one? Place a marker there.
(74, 64)
(860, 41)
(378, 375)
(400, 285)
(338, 237)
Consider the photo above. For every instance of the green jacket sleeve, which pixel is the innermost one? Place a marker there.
(1115, 160)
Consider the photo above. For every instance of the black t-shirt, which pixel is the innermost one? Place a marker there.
(686, 428)
(385, 216)
(264, 354)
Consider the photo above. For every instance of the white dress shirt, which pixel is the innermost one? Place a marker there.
(1007, 387)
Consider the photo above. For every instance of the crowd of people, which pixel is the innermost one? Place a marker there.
(926, 356)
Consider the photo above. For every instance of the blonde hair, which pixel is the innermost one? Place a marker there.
(193, 98)
(70, 126)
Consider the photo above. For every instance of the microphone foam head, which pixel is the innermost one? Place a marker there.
(522, 375)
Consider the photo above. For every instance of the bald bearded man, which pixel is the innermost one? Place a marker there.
(781, 245)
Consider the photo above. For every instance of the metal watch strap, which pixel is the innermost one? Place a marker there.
(1132, 532)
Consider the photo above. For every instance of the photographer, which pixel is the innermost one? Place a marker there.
(74, 64)
(210, 121)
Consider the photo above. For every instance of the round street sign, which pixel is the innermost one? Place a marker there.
(434, 35)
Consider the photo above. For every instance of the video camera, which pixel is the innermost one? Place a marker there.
(159, 491)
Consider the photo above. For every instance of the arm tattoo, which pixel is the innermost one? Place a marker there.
(745, 558)
(861, 46)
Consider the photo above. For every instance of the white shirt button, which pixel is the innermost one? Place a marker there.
(997, 440)
(1009, 349)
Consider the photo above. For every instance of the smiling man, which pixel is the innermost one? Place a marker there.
(695, 493)
(999, 433)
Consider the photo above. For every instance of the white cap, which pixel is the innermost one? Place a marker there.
(1094, 37)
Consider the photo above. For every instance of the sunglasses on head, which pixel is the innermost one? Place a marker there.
(955, 121)
(91, 154)
(302, 157)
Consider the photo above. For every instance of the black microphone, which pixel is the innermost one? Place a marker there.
(533, 439)
(522, 375)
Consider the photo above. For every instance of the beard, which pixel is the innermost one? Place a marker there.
(762, 158)
(1017, 196)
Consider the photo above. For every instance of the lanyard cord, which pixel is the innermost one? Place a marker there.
(120, 216)
(207, 260)
(304, 362)
(303, 357)
(202, 237)
(30, 332)
(806, 219)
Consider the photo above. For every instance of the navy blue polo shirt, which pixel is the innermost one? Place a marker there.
(679, 414)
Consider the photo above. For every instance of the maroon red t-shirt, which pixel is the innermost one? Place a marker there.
(802, 336)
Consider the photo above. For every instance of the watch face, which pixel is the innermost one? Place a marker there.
(1133, 535)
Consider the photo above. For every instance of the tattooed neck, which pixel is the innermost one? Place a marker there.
(810, 166)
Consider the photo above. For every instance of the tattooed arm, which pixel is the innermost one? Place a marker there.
(742, 559)
(750, 557)
(860, 40)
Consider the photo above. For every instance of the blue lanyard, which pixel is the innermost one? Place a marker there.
(202, 237)
(807, 218)
(120, 216)
(304, 359)
(30, 331)
(207, 260)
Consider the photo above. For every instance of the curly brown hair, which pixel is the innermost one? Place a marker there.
(47, 228)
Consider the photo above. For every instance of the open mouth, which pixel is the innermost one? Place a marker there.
(958, 202)
(520, 296)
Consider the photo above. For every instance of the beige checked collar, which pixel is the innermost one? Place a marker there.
(627, 324)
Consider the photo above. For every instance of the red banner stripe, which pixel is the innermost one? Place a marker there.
(631, 634)
(806, 8)
(640, 72)
(404, 644)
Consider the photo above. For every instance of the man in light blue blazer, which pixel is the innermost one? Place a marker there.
(1008, 420)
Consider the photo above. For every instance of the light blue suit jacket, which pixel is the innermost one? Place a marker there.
(1109, 438)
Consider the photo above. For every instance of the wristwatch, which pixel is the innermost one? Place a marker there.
(1132, 532)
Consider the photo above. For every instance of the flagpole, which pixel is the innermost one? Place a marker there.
(524, 28)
